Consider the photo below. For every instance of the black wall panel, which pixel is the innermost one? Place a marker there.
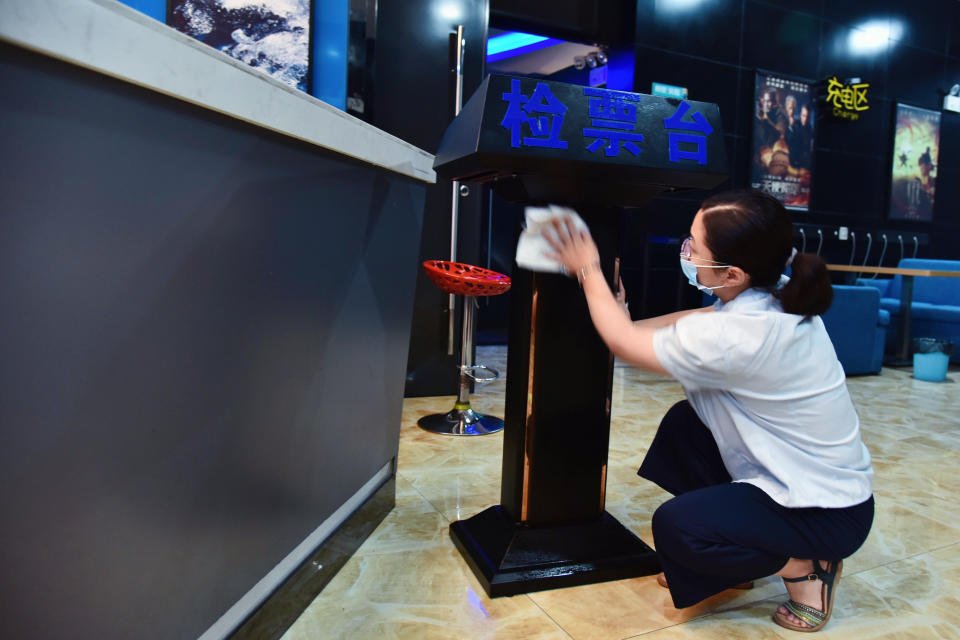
(914, 75)
(609, 22)
(836, 58)
(787, 38)
(714, 48)
(709, 29)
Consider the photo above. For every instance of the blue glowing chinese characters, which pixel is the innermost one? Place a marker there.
(614, 118)
(541, 111)
(614, 121)
(699, 124)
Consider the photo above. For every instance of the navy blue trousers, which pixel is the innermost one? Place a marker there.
(715, 534)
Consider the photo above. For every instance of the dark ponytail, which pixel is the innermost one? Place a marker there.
(752, 230)
(809, 292)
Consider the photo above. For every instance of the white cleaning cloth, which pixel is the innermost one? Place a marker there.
(532, 249)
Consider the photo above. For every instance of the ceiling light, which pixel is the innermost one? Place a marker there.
(874, 36)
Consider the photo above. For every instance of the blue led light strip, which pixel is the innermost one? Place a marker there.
(515, 43)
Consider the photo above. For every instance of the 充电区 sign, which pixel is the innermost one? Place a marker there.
(847, 100)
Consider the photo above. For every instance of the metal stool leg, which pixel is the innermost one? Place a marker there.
(462, 420)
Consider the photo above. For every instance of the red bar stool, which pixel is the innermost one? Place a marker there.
(469, 281)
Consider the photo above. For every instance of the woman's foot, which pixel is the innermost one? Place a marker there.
(811, 594)
(808, 592)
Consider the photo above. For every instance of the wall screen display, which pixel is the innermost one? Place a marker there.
(916, 149)
(270, 35)
(782, 142)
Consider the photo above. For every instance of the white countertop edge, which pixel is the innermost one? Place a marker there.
(113, 39)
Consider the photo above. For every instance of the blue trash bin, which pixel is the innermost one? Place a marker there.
(931, 357)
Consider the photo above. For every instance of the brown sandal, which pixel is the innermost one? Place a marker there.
(816, 618)
(662, 581)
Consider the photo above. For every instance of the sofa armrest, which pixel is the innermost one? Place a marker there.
(880, 285)
(856, 326)
(883, 319)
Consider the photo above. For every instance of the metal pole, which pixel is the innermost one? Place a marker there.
(455, 194)
(466, 346)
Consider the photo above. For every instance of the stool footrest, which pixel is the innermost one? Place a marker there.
(480, 373)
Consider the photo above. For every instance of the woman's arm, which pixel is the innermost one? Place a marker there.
(630, 342)
(627, 340)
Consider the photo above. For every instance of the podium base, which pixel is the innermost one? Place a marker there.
(509, 559)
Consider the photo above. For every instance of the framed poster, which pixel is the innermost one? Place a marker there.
(270, 35)
(913, 174)
(781, 158)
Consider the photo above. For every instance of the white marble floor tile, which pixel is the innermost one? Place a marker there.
(408, 580)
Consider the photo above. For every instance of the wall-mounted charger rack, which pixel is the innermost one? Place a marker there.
(863, 245)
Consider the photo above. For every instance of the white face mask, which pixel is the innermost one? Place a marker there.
(690, 270)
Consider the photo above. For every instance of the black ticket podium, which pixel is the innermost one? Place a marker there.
(601, 152)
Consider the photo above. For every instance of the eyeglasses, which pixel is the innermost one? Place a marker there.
(685, 253)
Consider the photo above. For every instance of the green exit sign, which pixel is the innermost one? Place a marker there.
(669, 91)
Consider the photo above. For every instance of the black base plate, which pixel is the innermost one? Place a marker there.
(509, 559)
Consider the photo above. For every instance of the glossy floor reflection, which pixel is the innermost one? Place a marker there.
(408, 580)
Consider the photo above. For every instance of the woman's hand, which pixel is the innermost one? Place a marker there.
(572, 247)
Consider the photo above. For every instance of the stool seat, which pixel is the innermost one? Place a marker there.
(457, 278)
(465, 279)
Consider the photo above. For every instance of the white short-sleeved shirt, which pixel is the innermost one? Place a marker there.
(769, 387)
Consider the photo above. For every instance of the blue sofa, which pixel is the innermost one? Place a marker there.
(857, 326)
(935, 312)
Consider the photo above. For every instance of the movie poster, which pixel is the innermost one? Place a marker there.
(916, 148)
(782, 144)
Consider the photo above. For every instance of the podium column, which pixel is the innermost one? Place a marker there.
(551, 529)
